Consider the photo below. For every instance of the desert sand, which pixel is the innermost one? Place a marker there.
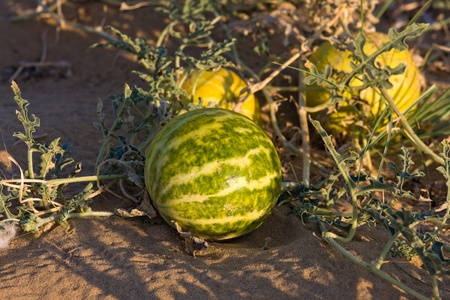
(117, 258)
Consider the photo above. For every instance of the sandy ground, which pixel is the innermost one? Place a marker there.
(115, 258)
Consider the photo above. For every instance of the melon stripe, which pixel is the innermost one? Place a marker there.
(237, 184)
(204, 131)
(201, 132)
(161, 145)
(211, 167)
(196, 136)
(243, 130)
(254, 215)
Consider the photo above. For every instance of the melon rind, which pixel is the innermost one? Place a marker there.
(213, 171)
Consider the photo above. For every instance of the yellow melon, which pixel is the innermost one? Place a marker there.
(223, 88)
(406, 87)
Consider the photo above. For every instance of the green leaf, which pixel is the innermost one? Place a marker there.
(319, 78)
(403, 174)
(367, 63)
(212, 59)
(399, 39)
(29, 126)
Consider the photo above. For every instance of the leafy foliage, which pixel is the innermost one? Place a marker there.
(404, 226)
(138, 114)
(52, 157)
(40, 181)
(368, 70)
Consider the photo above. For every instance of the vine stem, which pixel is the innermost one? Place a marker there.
(59, 181)
(108, 136)
(352, 187)
(30, 163)
(447, 171)
(369, 266)
(163, 34)
(36, 13)
(354, 223)
(261, 84)
(148, 139)
(409, 131)
(229, 35)
(46, 10)
(278, 132)
(75, 215)
(386, 249)
(435, 287)
(303, 118)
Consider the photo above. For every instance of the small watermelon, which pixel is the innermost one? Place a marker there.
(223, 88)
(406, 87)
(214, 172)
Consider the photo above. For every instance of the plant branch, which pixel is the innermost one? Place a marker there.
(59, 181)
(75, 215)
(386, 249)
(283, 139)
(412, 135)
(303, 118)
(49, 11)
(368, 266)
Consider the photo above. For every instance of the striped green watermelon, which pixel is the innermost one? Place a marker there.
(214, 172)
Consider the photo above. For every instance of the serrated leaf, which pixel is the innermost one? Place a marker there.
(317, 77)
(29, 126)
(359, 43)
(376, 186)
(368, 64)
(399, 39)
(403, 174)
(399, 69)
(436, 248)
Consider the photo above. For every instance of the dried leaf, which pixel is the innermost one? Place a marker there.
(194, 244)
